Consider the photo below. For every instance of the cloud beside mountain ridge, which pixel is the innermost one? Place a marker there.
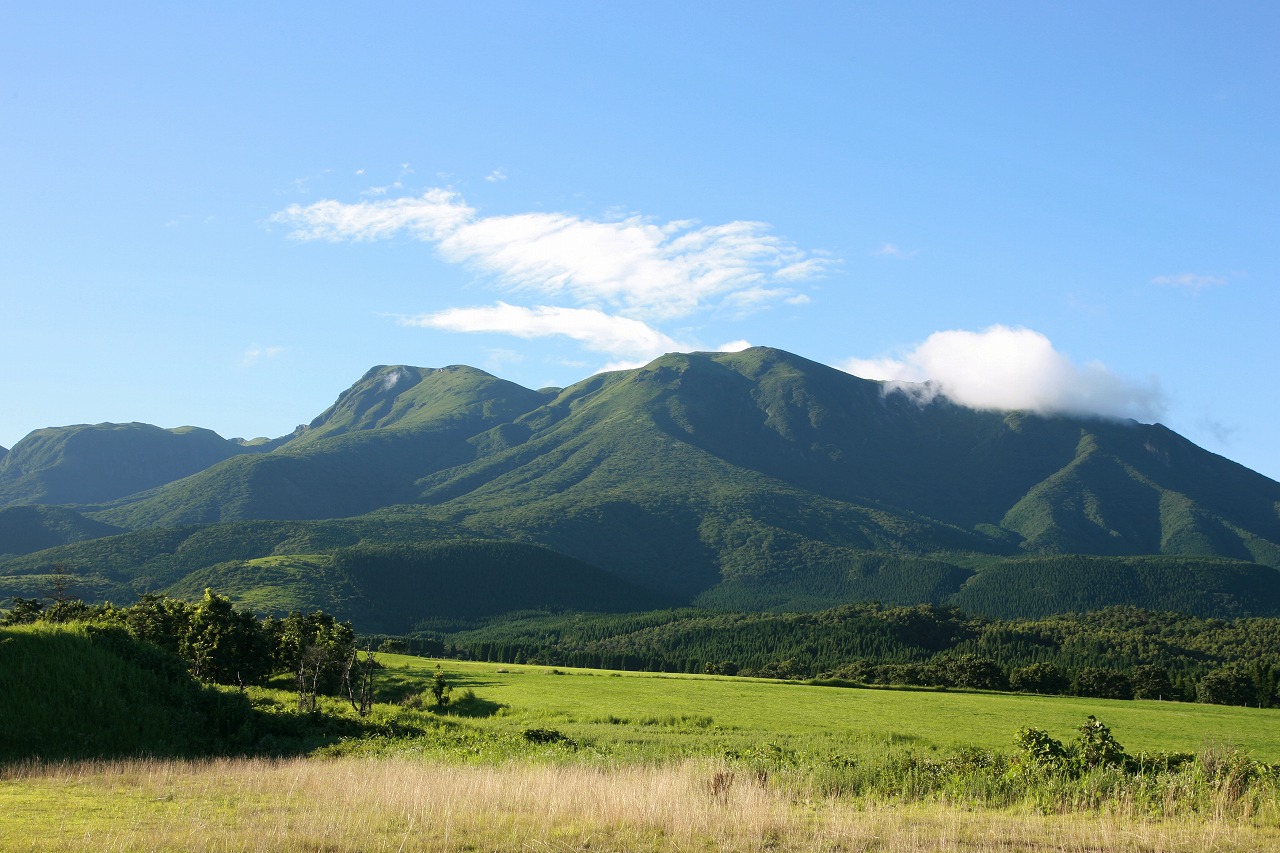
(1008, 369)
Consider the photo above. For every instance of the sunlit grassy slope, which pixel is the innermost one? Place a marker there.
(692, 709)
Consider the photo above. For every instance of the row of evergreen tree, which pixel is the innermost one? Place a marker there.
(1119, 653)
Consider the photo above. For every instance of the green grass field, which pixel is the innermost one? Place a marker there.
(665, 763)
(635, 710)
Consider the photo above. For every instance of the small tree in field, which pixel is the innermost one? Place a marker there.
(358, 679)
(440, 688)
(1095, 747)
(317, 649)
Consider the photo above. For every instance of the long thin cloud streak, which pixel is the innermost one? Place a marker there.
(1006, 369)
(634, 267)
(430, 217)
(595, 330)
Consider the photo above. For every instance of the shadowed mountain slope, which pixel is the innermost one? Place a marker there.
(89, 464)
(24, 529)
(756, 478)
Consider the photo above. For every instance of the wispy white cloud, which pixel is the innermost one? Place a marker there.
(808, 268)
(303, 185)
(734, 346)
(1190, 281)
(603, 283)
(633, 266)
(593, 329)
(890, 250)
(256, 353)
(1003, 368)
(495, 176)
(432, 216)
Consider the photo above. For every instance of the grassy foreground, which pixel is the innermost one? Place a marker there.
(361, 804)
(636, 761)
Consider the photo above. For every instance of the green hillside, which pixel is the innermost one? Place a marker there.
(403, 398)
(390, 588)
(396, 425)
(756, 480)
(124, 566)
(1040, 586)
(90, 464)
(71, 691)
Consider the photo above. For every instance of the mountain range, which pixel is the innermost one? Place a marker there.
(748, 480)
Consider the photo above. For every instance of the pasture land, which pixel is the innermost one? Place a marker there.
(635, 709)
(536, 758)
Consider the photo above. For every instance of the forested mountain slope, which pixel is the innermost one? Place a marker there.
(752, 479)
(88, 464)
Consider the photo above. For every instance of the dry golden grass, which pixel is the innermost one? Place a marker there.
(359, 805)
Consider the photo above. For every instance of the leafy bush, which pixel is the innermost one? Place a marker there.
(541, 736)
(1094, 748)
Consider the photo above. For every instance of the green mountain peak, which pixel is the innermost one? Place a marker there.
(756, 477)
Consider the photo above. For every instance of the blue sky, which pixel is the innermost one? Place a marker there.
(223, 215)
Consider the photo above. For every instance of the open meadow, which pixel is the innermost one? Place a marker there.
(700, 714)
(536, 758)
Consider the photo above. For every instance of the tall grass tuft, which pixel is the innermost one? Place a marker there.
(355, 804)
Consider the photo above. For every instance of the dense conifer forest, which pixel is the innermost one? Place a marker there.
(1119, 652)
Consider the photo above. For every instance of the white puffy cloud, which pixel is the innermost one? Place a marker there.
(1004, 369)
(594, 330)
(734, 346)
(632, 266)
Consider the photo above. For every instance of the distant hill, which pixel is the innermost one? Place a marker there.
(391, 588)
(751, 480)
(367, 451)
(24, 529)
(89, 464)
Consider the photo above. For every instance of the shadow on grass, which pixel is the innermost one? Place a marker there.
(471, 705)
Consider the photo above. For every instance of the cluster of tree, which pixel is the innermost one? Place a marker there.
(1038, 586)
(1121, 653)
(224, 645)
(1232, 684)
